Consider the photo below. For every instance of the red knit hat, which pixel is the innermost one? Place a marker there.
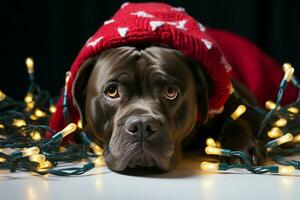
(154, 23)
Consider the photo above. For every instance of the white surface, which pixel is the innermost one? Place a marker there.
(185, 182)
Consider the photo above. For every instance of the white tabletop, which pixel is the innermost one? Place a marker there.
(185, 182)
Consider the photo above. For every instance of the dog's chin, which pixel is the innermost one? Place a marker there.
(142, 157)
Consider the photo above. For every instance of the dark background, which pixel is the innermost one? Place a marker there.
(52, 32)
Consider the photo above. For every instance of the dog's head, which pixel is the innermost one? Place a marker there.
(140, 104)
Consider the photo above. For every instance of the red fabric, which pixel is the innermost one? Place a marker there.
(254, 68)
(158, 23)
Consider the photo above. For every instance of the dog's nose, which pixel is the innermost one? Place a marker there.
(142, 125)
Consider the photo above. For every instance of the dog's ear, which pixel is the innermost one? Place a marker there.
(79, 86)
(202, 89)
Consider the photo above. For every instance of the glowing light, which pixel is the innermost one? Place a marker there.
(288, 74)
(211, 142)
(2, 160)
(2, 96)
(30, 105)
(97, 149)
(213, 150)
(219, 145)
(30, 65)
(271, 105)
(44, 165)
(52, 109)
(293, 110)
(281, 122)
(79, 124)
(68, 129)
(238, 112)
(1, 126)
(28, 98)
(39, 113)
(39, 158)
(275, 132)
(67, 78)
(33, 117)
(35, 135)
(286, 169)
(208, 166)
(283, 139)
(18, 122)
(99, 161)
(296, 138)
(30, 151)
(286, 66)
(62, 149)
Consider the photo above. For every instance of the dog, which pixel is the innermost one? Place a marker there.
(141, 104)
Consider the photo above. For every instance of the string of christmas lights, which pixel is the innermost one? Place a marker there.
(23, 145)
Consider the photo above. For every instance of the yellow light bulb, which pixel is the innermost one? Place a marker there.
(213, 150)
(62, 149)
(79, 124)
(286, 66)
(2, 96)
(30, 65)
(208, 166)
(52, 109)
(288, 74)
(275, 132)
(219, 145)
(2, 160)
(1, 126)
(30, 151)
(44, 165)
(37, 158)
(33, 117)
(281, 122)
(99, 161)
(284, 139)
(286, 169)
(35, 135)
(296, 138)
(96, 148)
(270, 105)
(29, 105)
(211, 142)
(238, 112)
(18, 122)
(28, 98)
(68, 129)
(293, 110)
(39, 113)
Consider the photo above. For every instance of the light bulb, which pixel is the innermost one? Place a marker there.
(37, 158)
(39, 113)
(28, 98)
(286, 169)
(30, 151)
(18, 122)
(288, 74)
(68, 129)
(286, 66)
(293, 110)
(44, 165)
(296, 138)
(211, 142)
(2, 160)
(30, 65)
(29, 105)
(33, 117)
(208, 166)
(1, 126)
(275, 132)
(52, 109)
(79, 124)
(35, 135)
(281, 122)
(97, 149)
(2, 96)
(284, 139)
(99, 161)
(213, 150)
(238, 112)
(67, 78)
(270, 105)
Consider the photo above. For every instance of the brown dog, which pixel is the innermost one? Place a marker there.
(142, 103)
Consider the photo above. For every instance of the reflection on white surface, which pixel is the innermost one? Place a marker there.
(207, 186)
(31, 192)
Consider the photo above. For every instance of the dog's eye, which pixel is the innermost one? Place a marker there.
(170, 93)
(112, 91)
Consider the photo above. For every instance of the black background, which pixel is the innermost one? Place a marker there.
(53, 32)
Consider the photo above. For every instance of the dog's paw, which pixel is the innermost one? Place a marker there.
(239, 137)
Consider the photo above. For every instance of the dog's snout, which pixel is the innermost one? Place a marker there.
(142, 125)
